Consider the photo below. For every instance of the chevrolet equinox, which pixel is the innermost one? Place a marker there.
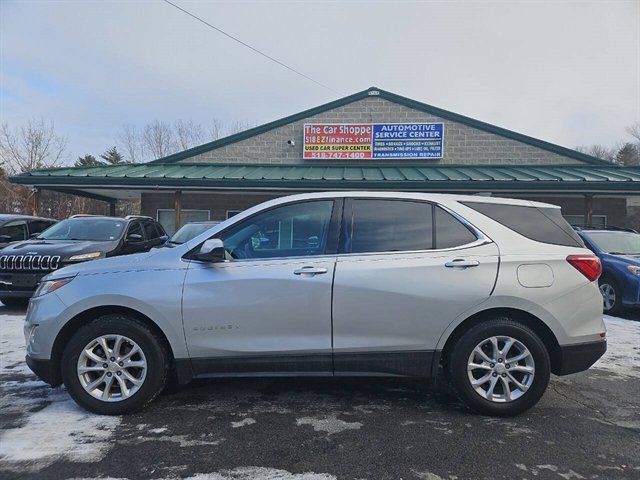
(497, 293)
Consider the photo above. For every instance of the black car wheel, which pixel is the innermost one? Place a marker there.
(114, 365)
(499, 367)
(611, 295)
(14, 302)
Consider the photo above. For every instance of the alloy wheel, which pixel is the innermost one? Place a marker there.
(112, 368)
(501, 369)
(608, 296)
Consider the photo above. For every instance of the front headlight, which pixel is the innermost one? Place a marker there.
(634, 269)
(49, 286)
(85, 256)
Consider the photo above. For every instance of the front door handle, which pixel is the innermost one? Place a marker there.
(462, 263)
(310, 271)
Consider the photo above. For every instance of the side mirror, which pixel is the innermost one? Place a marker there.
(212, 250)
(134, 238)
(33, 235)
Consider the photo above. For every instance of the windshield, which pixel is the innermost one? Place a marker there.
(98, 230)
(189, 231)
(620, 243)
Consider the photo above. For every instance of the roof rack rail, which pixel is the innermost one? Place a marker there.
(80, 215)
(146, 217)
(608, 227)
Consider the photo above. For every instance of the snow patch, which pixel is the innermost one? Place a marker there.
(260, 473)
(330, 424)
(623, 348)
(51, 426)
(61, 430)
(243, 423)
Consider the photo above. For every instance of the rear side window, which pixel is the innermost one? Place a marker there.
(37, 226)
(450, 232)
(391, 226)
(544, 225)
(150, 230)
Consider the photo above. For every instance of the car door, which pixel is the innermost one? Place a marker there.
(151, 234)
(13, 231)
(408, 269)
(133, 244)
(268, 307)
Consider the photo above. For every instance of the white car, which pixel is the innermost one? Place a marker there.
(498, 293)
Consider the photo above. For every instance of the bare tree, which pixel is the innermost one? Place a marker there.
(131, 141)
(599, 151)
(188, 133)
(217, 127)
(159, 139)
(33, 145)
(238, 126)
(634, 131)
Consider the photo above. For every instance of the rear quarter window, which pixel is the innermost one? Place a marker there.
(544, 225)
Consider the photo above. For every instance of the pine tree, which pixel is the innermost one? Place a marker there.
(628, 155)
(113, 156)
(87, 161)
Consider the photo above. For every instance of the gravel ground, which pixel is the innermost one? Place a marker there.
(586, 426)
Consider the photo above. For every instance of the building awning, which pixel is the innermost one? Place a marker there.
(292, 177)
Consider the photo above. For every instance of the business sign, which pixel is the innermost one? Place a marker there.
(373, 140)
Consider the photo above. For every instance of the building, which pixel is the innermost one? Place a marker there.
(373, 140)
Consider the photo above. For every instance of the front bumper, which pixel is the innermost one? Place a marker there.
(19, 284)
(45, 370)
(579, 357)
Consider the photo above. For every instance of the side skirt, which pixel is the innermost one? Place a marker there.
(421, 363)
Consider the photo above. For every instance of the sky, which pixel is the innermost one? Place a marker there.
(563, 71)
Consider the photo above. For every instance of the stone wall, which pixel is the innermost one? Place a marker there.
(462, 144)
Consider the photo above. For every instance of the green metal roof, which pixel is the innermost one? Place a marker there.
(392, 97)
(588, 178)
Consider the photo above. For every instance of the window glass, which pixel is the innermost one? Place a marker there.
(167, 217)
(289, 231)
(150, 231)
(159, 230)
(135, 228)
(616, 242)
(544, 225)
(450, 232)
(15, 231)
(95, 229)
(37, 226)
(390, 226)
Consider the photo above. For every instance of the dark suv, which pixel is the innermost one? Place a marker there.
(76, 239)
(14, 228)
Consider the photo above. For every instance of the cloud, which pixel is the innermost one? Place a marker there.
(566, 72)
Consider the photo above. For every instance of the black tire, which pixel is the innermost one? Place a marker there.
(617, 292)
(456, 367)
(154, 350)
(14, 302)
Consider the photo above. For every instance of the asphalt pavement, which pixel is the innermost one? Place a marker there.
(586, 426)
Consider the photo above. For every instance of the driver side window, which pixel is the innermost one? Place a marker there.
(294, 230)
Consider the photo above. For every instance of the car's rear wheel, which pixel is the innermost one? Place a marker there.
(114, 365)
(499, 367)
(611, 295)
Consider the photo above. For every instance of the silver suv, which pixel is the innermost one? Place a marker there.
(497, 293)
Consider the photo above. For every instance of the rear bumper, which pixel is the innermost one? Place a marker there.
(579, 357)
(44, 370)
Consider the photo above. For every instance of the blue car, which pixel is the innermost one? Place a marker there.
(619, 252)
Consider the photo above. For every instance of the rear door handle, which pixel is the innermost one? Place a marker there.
(462, 263)
(310, 271)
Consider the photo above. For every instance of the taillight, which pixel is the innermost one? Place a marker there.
(588, 265)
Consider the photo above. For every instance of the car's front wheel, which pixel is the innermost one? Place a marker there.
(499, 367)
(114, 365)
